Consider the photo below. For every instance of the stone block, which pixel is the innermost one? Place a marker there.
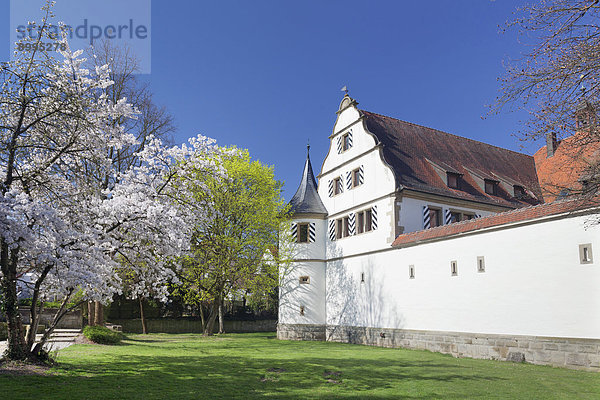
(577, 359)
(516, 357)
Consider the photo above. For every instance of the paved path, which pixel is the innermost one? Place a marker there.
(60, 339)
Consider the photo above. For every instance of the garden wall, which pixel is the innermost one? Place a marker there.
(171, 325)
(72, 320)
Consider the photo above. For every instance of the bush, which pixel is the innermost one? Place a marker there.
(3, 331)
(102, 335)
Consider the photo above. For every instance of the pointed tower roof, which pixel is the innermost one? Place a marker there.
(307, 200)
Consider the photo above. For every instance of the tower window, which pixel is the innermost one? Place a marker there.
(303, 233)
(304, 280)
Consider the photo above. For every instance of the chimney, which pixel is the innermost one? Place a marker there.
(551, 144)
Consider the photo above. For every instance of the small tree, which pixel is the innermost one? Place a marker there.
(243, 209)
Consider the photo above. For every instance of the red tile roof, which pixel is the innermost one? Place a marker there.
(408, 147)
(509, 217)
(572, 158)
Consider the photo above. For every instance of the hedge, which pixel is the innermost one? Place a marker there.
(102, 335)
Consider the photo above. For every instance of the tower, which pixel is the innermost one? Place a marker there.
(302, 292)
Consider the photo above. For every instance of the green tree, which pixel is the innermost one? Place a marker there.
(242, 210)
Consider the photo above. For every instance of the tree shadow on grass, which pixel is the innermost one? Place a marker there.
(229, 376)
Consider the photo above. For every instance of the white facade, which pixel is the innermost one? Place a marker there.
(524, 278)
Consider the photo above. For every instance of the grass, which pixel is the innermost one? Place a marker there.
(161, 366)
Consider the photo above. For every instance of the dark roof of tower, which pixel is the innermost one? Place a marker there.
(412, 151)
(307, 200)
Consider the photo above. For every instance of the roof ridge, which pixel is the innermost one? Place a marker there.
(448, 133)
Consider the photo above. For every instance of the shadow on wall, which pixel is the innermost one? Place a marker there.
(357, 295)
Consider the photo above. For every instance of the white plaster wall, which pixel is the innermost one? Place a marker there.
(292, 294)
(411, 212)
(533, 284)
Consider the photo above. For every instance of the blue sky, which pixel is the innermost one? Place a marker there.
(266, 75)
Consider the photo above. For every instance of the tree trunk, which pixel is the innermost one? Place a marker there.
(202, 317)
(221, 328)
(8, 286)
(99, 314)
(143, 318)
(91, 313)
(211, 318)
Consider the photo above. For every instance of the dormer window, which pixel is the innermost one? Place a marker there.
(491, 187)
(452, 180)
(519, 191)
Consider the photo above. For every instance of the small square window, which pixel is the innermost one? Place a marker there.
(585, 253)
(480, 264)
(304, 280)
(490, 187)
(519, 191)
(411, 271)
(452, 180)
(453, 268)
(303, 233)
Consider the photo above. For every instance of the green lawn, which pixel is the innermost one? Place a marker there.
(162, 366)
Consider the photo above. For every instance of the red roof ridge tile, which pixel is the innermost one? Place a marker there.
(447, 133)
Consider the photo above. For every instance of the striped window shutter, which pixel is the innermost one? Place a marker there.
(374, 217)
(311, 232)
(339, 144)
(477, 215)
(331, 230)
(352, 224)
(350, 139)
(294, 231)
(447, 217)
(361, 175)
(426, 218)
(330, 188)
(349, 180)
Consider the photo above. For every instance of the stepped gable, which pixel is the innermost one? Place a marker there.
(411, 150)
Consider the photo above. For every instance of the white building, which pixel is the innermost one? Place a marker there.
(421, 239)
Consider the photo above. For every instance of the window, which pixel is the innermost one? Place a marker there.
(467, 216)
(585, 253)
(337, 186)
(339, 227)
(363, 221)
(346, 143)
(519, 191)
(455, 217)
(301, 310)
(453, 268)
(356, 177)
(303, 233)
(304, 280)
(480, 264)
(411, 272)
(362, 277)
(346, 226)
(452, 180)
(435, 217)
(490, 186)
